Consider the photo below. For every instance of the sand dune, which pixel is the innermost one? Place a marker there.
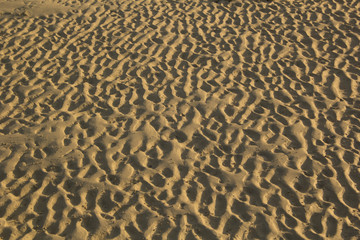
(179, 119)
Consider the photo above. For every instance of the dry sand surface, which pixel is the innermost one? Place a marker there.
(179, 119)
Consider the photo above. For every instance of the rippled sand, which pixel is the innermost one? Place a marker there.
(188, 119)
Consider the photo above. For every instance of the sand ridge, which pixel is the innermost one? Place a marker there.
(179, 119)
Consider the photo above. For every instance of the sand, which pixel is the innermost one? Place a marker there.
(179, 119)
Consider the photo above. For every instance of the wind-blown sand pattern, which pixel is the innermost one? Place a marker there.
(184, 119)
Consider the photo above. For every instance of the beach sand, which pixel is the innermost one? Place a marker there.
(179, 119)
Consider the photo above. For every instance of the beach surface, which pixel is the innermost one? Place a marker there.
(179, 119)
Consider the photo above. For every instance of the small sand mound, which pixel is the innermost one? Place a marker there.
(31, 8)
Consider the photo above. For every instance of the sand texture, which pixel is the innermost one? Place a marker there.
(179, 119)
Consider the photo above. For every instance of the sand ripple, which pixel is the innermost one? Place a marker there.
(179, 119)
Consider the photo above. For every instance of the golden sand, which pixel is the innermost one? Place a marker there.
(179, 119)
